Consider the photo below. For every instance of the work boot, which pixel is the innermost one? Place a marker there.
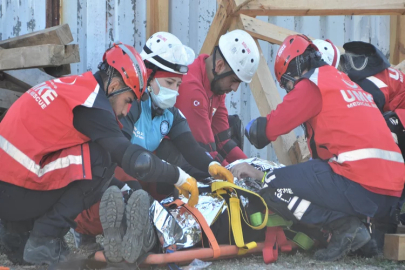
(85, 242)
(376, 245)
(348, 234)
(140, 236)
(12, 245)
(112, 209)
(46, 250)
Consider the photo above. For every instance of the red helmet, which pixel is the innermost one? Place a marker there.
(292, 47)
(130, 65)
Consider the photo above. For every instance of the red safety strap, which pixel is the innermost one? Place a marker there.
(270, 249)
(275, 239)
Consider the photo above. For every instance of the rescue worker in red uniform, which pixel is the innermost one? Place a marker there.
(203, 90)
(59, 145)
(357, 170)
(366, 65)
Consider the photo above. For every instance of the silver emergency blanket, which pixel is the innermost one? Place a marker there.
(178, 229)
(251, 184)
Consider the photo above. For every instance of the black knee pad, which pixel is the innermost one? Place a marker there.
(138, 163)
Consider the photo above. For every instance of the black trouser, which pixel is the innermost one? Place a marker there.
(52, 212)
(315, 194)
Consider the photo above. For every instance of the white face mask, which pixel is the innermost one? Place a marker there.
(166, 97)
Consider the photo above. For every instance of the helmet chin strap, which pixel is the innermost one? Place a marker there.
(216, 76)
(120, 91)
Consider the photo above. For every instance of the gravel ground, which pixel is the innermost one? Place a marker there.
(298, 260)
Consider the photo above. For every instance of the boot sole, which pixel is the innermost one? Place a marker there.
(138, 226)
(112, 208)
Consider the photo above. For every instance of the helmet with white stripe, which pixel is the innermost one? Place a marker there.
(166, 51)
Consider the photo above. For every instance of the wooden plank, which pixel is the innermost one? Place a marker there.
(59, 35)
(394, 247)
(8, 97)
(397, 39)
(401, 66)
(157, 16)
(323, 8)
(299, 152)
(39, 56)
(267, 31)
(27, 78)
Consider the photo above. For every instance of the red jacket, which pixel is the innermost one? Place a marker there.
(206, 113)
(346, 128)
(391, 83)
(39, 147)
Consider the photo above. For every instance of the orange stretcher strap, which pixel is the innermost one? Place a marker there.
(206, 228)
(203, 223)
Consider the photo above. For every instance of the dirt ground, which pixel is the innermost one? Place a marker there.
(299, 260)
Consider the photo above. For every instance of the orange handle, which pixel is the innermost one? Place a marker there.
(189, 255)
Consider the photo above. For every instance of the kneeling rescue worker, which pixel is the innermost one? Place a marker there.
(357, 170)
(367, 66)
(59, 145)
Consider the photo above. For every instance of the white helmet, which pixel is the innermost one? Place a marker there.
(166, 51)
(241, 53)
(330, 53)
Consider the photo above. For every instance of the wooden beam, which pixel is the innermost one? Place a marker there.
(267, 31)
(39, 56)
(397, 39)
(323, 8)
(7, 98)
(157, 16)
(394, 247)
(27, 78)
(59, 35)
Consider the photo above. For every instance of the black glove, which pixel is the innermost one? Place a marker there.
(256, 132)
